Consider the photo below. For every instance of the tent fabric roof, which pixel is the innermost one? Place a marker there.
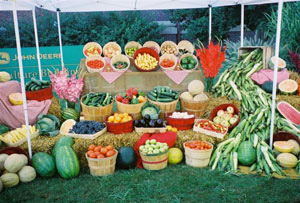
(123, 5)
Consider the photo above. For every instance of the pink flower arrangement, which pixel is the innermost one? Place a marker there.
(66, 88)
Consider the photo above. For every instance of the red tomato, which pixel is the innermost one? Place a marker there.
(97, 153)
(93, 155)
(89, 152)
(92, 147)
(103, 150)
(100, 156)
(97, 149)
(110, 153)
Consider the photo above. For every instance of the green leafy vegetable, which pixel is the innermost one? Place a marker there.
(48, 125)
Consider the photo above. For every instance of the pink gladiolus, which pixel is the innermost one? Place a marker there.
(66, 88)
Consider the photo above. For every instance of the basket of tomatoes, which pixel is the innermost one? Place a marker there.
(197, 153)
(101, 160)
(95, 64)
(168, 62)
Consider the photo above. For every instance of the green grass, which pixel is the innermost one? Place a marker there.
(179, 183)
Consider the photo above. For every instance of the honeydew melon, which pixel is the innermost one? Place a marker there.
(281, 63)
(283, 146)
(288, 86)
(287, 160)
(15, 98)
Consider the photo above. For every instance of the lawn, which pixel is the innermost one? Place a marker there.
(179, 183)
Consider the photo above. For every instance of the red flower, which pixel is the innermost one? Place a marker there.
(211, 59)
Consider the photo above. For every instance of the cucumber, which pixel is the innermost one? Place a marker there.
(151, 97)
(165, 99)
(33, 87)
(44, 82)
(153, 94)
(37, 88)
(36, 81)
(167, 94)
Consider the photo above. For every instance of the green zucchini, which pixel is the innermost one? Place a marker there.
(165, 99)
(151, 97)
(36, 81)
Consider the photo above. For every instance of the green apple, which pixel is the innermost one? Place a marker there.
(147, 142)
(156, 151)
(153, 141)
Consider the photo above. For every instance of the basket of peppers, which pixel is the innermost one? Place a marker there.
(131, 102)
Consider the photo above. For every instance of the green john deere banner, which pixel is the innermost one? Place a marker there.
(50, 59)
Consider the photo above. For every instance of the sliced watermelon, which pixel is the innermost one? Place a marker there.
(289, 112)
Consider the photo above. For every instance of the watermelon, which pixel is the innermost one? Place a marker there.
(126, 158)
(63, 141)
(289, 112)
(246, 153)
(69, 113)
(44, 164)
(3, 129)
(268, 86)
(67, 162)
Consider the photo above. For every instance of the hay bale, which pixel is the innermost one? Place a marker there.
(55, 108)
(294, 100)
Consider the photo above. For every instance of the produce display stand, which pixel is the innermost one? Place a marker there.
(144, 81)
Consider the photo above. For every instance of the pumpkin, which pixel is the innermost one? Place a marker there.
(10, 179)
(3, 157)
(296, 145)
(246, 153)
(283, 146)
(287, 160)
(27, 174)
(14, 163)
(4, 76)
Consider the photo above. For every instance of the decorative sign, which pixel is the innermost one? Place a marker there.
(50, 60)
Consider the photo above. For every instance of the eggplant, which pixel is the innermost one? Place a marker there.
(136, 123)
(147, 118)
(159, 123)
(142, 123)
(152, 123)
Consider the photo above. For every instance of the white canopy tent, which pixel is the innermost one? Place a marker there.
(122, 5)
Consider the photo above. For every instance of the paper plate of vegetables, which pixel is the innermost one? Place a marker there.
(188, 62)
(227, 115)
(120, 63)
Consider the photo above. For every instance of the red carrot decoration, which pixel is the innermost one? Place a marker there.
(211, 59)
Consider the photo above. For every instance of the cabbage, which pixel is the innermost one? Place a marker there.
(151, 109)
(48, 125)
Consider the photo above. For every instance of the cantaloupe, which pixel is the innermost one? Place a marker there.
(296, 145)
(288, 86)
(196, 87)
(283, 146)
(66, 126)
(186, 96)
(281, 63)
(200, 97)
(15, 98)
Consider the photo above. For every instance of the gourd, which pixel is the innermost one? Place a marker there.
(287, 160)
(27, 174)
(196, 87)
(296, 145)
(4, 76)
(14, 163)
(10, 179)
(186, 96)
(3, 157)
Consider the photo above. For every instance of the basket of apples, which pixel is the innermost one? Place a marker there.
(131, 102)
(154, 155)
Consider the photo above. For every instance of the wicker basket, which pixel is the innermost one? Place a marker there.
(114, 45)
(155, 162)
(94, 70)
(96, 113)
(187, 55)
(165, 107)
(169, 43)
(196, 108)
(102, 167)
(152, 44)
(185, 44)
(197, 158)
(119, 58)
(130, 45)
(85, 136)
(20, 142)
(89, 44)
(131, 108)
(171, 57)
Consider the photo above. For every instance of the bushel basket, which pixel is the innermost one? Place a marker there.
(165, 107)
(155, 162)
(197, 158)
(134, 109)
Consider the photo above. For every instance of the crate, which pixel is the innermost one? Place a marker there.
(20, 142)
(85, 136)
(268, 52)
(141, 131)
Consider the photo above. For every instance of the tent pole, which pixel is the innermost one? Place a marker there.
(59, 37)
(16, 25)
(210, 20)
(37, 43)
(280, 3)
(242, 25)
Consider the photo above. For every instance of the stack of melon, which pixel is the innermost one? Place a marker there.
(63, 159)
(287, 153)
(15, 170)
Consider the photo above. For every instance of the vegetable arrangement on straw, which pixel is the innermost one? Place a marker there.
(255, 117)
